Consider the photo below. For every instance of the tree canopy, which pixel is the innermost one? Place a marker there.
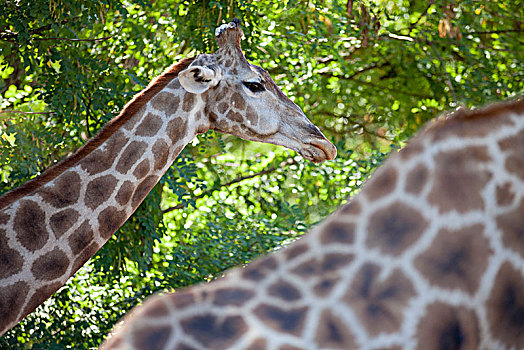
(367, 73)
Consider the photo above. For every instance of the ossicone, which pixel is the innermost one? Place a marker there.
(229, 34)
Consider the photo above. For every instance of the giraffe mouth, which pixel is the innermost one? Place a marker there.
(318, 150)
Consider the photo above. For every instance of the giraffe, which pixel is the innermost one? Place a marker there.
(50, 226)
(428, 255)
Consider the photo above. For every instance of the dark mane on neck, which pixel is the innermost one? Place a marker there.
(131, 108)
(484, 119)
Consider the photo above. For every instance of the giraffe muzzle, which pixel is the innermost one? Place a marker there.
(318, 150)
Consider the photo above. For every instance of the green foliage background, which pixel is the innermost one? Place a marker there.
(368, 73)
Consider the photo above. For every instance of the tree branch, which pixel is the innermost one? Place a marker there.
(381, 87)
(69, 39)
(38, 31)
(397, 37)
(324, 71)
(12, 35)
(285, 163)
(412, 25)
(370, 67)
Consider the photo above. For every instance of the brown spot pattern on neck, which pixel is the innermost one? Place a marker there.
(130, 109)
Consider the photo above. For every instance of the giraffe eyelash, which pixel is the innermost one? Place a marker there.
(254, 86)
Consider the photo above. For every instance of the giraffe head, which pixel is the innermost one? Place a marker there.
(241, 99)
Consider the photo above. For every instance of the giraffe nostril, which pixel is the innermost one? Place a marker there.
(314, 130)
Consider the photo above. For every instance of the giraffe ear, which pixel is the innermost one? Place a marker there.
(198, 79)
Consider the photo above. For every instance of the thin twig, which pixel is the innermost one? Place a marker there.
(381, 87)
(260, 173)
(21, 112)
(325, 70)
(351, 120)
(378, 86)
(370, 67)
(232, 182)
(412, 25)
(69, 39)
(12, 35)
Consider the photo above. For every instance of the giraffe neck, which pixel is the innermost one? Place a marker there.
(48, 234)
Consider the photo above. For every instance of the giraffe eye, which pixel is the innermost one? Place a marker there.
(254, 86)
